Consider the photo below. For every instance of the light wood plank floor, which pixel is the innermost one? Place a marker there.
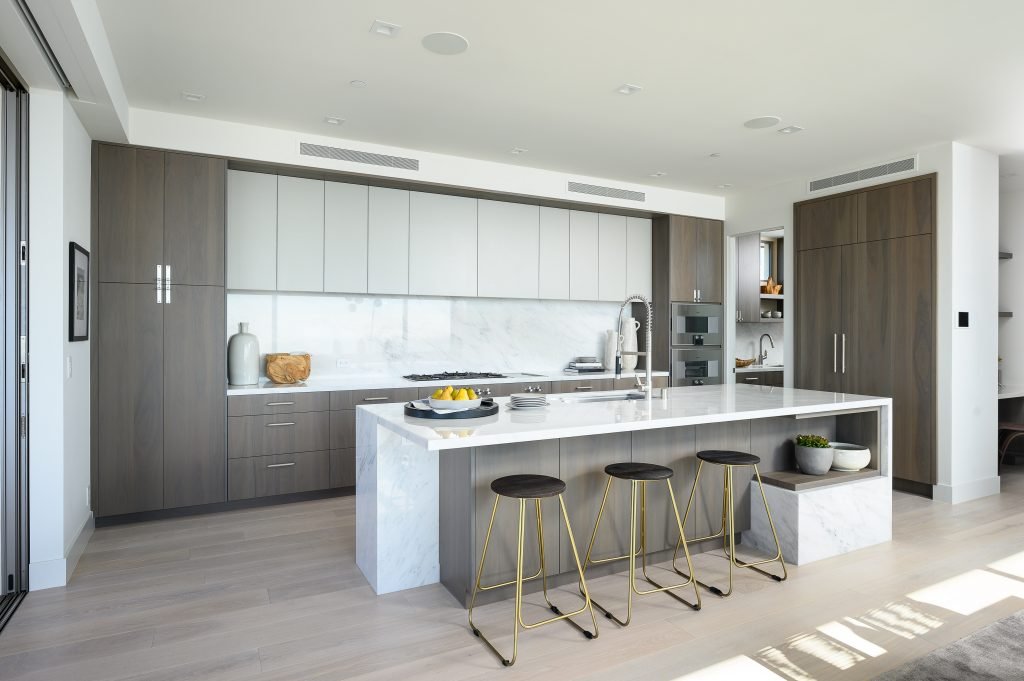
(273, 594)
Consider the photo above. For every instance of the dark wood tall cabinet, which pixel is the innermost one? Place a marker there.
(159, 402)
(865, 308)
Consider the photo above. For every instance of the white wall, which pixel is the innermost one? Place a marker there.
(59, 211)
(1011, 284)
(966, 234)
(274, 145)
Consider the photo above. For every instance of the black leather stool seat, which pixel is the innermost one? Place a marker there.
(528, 486)
(726, 458)
(638, 471)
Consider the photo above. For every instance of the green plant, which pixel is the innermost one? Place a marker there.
(815, 441)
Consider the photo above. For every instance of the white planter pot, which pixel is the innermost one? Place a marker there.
(243, 357)
(849, 457)
(813, 460)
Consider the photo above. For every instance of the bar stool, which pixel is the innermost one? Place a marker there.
(525, 488)
(729, 460)
(639, 474)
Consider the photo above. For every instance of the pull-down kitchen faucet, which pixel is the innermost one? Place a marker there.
(762, 354)
(648, 386)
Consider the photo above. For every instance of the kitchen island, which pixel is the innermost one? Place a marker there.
(422, 487)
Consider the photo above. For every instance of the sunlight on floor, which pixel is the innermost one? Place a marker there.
(847, 636)
(739, 667)
(1012, 565)
(970, 592)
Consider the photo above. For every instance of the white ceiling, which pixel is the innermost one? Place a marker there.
(868, 80)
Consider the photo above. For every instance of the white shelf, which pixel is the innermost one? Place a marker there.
(773, 296)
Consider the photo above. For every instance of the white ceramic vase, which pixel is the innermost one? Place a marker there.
(628, 330)
(611, 346)
(243, 357)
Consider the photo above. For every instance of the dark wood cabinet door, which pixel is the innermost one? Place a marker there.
(129, 405)
(682, 257)
(912, 325)
(194, 219)
(129, 213)
(195, 403)
(828, 222)
(709, 260)
(818, 319)
(748, 277)
(904, 209)
(865, 342)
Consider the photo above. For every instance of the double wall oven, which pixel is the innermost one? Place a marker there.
(698, 330)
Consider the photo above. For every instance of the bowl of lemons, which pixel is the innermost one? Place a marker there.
(454, 398)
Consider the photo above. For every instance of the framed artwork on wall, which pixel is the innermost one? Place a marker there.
(78, 293)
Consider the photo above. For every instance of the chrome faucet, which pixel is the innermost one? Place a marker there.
(762, 355)
(648, 385)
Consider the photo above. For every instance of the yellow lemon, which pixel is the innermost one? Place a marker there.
(472, 394)
(462, 394)
(437, 394)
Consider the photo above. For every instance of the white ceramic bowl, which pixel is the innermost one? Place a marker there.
(459, 405)
(849, 457)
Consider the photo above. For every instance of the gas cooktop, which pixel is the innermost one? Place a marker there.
(453, 376)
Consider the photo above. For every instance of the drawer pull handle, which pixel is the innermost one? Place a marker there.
(584, 387)
(280, 465)
(279, 404)
(751, 379)
(383, 398)
(277, 425)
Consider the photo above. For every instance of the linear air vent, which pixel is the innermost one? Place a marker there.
(339, 154)
(901, 166)
(598, 190)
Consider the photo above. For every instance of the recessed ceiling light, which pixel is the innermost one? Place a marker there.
(715, 155)
(445, 43)
(385, 28)
(628, 89)
(660, 173)
(334, 120)
(762, 122)
(790, 129)
(519, 150)
(357, 83)
(723, 186)
(192, 96)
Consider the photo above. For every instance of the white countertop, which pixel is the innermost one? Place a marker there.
(1007, 392)
(329, 383)
(566, 417)
(758, 368)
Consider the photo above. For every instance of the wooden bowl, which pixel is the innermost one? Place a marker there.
(740, 363)
(286, 368)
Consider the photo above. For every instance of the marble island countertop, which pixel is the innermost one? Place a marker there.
(572, 415)
(329, 383)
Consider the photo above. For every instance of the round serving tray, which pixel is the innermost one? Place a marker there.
(486, 408)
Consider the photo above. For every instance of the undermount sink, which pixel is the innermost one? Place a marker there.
(618, 397)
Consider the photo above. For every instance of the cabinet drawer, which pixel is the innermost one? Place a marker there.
(591, 386)
(506, 389)
(350, 399)
(277, 403)
(343, 467)
(264, 476)
(343, 429)
(262, 435)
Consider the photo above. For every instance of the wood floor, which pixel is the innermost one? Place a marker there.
(273, 594)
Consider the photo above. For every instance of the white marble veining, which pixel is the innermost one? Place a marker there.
(568, 416)
(327, 384)
(824, 521)
(367, 335)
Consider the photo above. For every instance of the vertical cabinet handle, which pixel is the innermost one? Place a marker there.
(167, 281)
(844, 353)
(835, 341)
(159, 285)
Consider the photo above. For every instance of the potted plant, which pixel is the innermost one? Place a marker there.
(813, 454)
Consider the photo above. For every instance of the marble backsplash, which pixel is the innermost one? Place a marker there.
(749, 333)
(394, 335)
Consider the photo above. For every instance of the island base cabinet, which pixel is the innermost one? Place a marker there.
(343, 467)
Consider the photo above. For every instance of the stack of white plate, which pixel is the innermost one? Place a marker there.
(528, 401)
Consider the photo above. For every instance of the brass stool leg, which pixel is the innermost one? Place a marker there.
(778, 554)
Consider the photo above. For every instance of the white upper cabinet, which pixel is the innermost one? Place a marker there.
(387, 259)
(300, 234)
(251, 231)
(554, 254)
(638, 257)
(583, 256)
(611, 253)
(442, 245)
(345, 237)
(508, 236)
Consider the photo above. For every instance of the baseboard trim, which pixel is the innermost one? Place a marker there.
(185, 511)
(47, 574)
(968, 491)
(78, 547)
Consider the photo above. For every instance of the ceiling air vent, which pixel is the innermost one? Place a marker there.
(338, 154)
(598, 190)
(903, 165)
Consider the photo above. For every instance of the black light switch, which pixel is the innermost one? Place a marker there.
(963, 320)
